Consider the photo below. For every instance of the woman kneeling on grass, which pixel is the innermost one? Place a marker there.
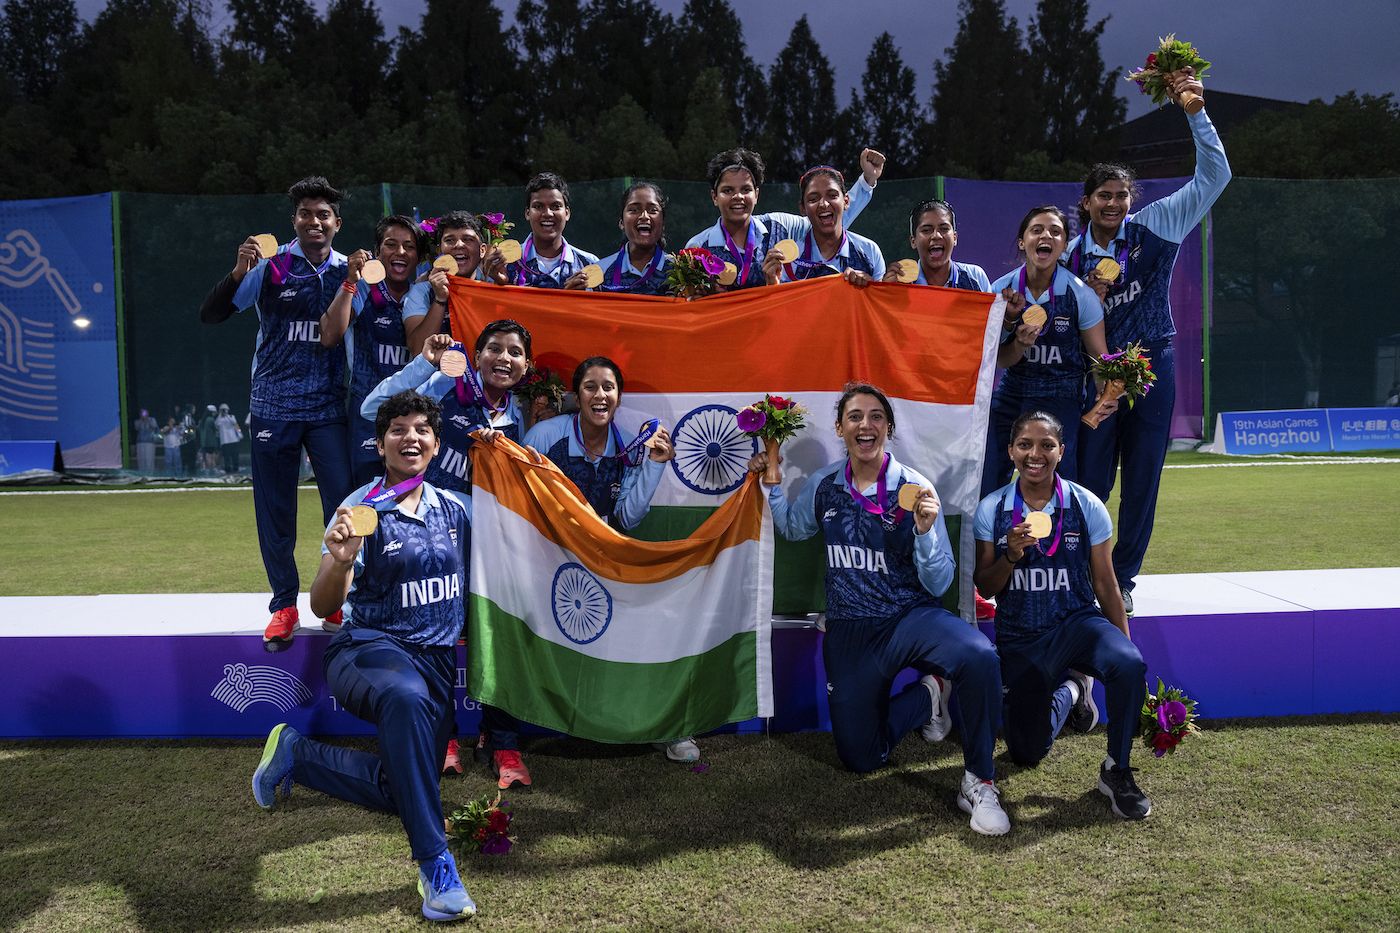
(1044, 549)
(394, 661)
(885, 569)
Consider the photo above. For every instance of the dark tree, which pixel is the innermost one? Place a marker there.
(36, 38)
(357, 68)
(711, 35)
(888, 115)
(803, 112)
(1077, 101)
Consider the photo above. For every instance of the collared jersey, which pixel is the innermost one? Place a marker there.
(294, 377)
(960, 275)
(619, 275)
(1044, 591)
(547, 273)
(1056, 363)
(877, 567)
(619, 493)
(374, 342)
(856, 252)
(410, 576)
(1138, 304)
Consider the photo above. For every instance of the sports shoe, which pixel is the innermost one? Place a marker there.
(334, 621)
(981, 799)
(1084, 716)
(275, 768)
(444, 897)
(1117, 785)
(940, 723)
(683, 750)
(509, 769)
(1128, 602)
(986, 609)
(282, 625)
(452, 761)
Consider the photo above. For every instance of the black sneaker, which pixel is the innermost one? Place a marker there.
(1128, 602)
(1117, 785)
(1085, 715)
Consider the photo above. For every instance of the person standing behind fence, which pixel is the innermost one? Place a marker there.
(174, 436)
(146, 432)
(209, 440)
(547, 260)
(229, 436)
(1137, 308)
(298, 395)
(933, 234)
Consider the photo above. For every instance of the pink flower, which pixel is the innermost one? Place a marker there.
(429, 225)
(751, 420)
(494, 219)
(1152, 60)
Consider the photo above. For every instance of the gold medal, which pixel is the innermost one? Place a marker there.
(1034, 316)
(267, 245)
(1040, 524)
(510, 250)
(446, 263)
(909, 495)
(593, 275)
(1108, 270)
(453, 363)
(373, 272)
(906, 271)
(787, 249)
(730, 273)
(363, 520)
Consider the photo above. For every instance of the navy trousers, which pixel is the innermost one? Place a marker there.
(407, 693)
(862, 658)
(1037, 701)
(1007, 406)
(276, 466)
(1138, 438)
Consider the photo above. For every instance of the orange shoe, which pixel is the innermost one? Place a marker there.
(452, 761)
(509, 769)
(986, 609)
(334, 621)
(281, 626)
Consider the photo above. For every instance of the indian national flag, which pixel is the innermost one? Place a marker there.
(580, 628)
(694, 364)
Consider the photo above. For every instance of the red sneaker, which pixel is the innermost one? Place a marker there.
(451, 761)
(334, 621)
(986, 609)
(510, 770)
(282, 625)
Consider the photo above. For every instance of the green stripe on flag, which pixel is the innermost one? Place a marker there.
(606, 701)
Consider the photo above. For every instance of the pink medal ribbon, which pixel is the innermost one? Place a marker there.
(1081, 258)
(379, 495)
(468, 386)
(805, 260)
(877, 507)
(615, 273)
(1018, 509)
(747, 252)
(1021, 287)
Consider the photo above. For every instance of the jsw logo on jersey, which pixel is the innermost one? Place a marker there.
(460, 421)
(1045, 354)
(369, 443)
(393, 547)
(392, 356)
(830, 514)
(264, 435)
(429, 591)
(304, 331)
(288, 293)
(1128, 294)
(454, 462)
(855, 557)
(1040, 579)
(383, 321)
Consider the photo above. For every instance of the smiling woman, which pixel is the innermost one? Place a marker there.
(640, 264)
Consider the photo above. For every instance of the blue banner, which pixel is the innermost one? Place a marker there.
(1272, 432)
(58, 328)
(1364, 428)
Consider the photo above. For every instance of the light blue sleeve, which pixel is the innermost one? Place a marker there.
(860, 193)
(1090, 308)
(877, 260)
(250, 287)
(638, 486)
(418, 374)
(933, 557)
(979, 275)
(1096, 517)
(986, 519)
(796, 521)
(415, 303)
(357, 300)
(1172, 218)
(464, 499)
(698, 239)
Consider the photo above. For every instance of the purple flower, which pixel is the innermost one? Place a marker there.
(1171, 714)
(429, 225)
(712, 264)
(494, 219)
(496, 845)
(1110, 357)
(751, 420)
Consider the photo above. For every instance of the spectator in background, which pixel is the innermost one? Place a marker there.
(147, 430)
(209, 440)
(174, 436)
(229, 436)
(189, 444)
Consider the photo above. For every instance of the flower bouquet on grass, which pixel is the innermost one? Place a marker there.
(773, 419)
(495, 227)
(1168, 717)
(693, 272)
(541, 395)
(1127, 372)
(483, 825)
(1172, 55)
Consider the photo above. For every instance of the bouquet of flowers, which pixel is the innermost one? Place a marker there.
(692, 273)
(1172, 55)
(496, 228)
(773, 419)
(541, 393)
(1127, 372)
(482, 825)
(1168, 717)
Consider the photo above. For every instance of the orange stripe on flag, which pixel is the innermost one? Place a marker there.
(546, 498)
(915, 342)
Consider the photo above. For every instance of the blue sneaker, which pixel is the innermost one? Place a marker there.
(444, 898)
(276, 766)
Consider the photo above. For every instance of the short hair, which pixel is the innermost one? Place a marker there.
(1049, 420)
(400, 220)
(1108, 171)
(456, 220)
(853, 389)
(407, 402)
(315, 188)
(544, 181)
(932, 204)
(731, 159)
(504, 326)
(589, 363)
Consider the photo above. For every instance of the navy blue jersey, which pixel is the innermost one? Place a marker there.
(1137, 306)
(856, 252)
(619, 275)
(1044, 590)
(374, 344)
(620, 494)
(1054, 366)
(876, 566)
(962, 275)
(410, 578)
(294, 377)
(535, 272)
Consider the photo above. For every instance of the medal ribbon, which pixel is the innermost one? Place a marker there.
(286, 267)
(615, 273)
(622, 452)
(805, 259)
(747, 251)
(379, 495)
(877, 507)
(1018, 505)
(1080, 258)
(468, 386)
(527, 252)
(1021, 287)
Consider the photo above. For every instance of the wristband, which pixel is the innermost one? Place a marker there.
(439, 301)
(1007, 555)
(348, 287)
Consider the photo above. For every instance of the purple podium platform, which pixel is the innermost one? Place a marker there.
(1243, 644)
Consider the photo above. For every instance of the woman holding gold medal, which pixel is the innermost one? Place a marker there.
(888, 560)
(545, 259)
(1053, 325)
(396, 558)
(460, 245)
(933, 234)
(639, 266)
(1127, 259)
(827, 248)
(1043, 549)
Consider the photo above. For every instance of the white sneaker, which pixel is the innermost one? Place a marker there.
(683, 750)
(941, 723)
(981, 799)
